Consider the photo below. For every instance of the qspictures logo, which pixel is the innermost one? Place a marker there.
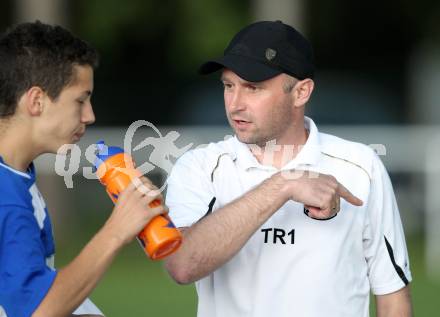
(163, 154)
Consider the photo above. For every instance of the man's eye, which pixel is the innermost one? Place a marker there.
(226, 85)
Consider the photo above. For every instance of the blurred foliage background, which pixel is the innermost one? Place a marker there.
(378, 63)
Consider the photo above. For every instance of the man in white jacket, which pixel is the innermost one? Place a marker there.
(266, 232)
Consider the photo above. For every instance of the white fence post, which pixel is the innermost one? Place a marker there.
(432, 226)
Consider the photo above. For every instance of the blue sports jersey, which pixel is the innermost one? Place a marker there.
(26, 243)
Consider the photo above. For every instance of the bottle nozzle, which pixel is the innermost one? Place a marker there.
(104, 152)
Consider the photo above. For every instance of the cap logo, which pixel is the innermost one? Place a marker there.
(270, 54)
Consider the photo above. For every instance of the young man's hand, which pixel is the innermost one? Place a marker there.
(134, 210)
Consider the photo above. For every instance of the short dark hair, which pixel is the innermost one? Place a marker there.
(38, 54)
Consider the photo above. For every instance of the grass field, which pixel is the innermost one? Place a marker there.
(136, 286)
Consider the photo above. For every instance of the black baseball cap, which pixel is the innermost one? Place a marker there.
(263, 50)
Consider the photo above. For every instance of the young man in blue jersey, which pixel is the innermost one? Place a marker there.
(46, 81)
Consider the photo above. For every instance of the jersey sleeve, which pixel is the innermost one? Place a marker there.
(25, 278)
(383, 237)
(190, 194)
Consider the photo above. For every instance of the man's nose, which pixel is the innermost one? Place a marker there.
(237, 101)
(88, 116)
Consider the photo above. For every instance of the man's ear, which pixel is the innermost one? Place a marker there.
(303, 90)
(35, 99)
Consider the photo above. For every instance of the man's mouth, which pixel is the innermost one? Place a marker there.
(78, 135)
(241, 123)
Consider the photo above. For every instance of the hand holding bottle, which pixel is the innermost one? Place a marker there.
(117, 172)
(133, 211)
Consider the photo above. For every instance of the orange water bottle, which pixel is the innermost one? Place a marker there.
(115, 170)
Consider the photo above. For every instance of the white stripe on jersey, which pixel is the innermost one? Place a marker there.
(2, 312)
(38, 204)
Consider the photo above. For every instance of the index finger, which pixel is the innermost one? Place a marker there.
(124, 194)
(348, 196)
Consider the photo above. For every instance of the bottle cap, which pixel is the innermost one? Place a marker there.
(104, 152)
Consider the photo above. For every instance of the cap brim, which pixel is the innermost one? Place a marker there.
(244, 67)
